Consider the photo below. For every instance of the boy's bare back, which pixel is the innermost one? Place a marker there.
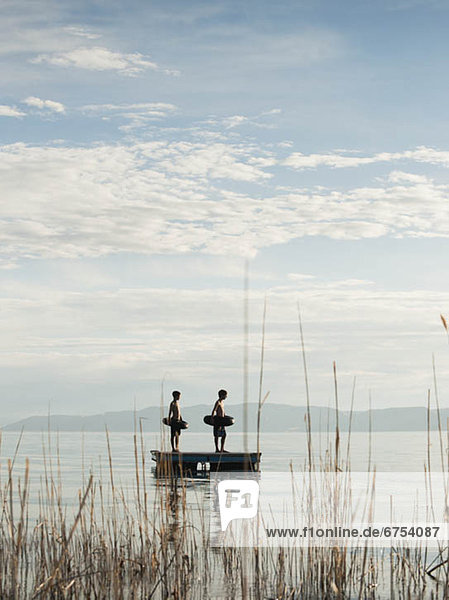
(175, 411)
(219, 409)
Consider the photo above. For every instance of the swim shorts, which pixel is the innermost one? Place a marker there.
(175, 426)
(219, 431)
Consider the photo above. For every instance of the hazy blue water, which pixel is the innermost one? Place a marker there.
(72, 456)
(390, 451)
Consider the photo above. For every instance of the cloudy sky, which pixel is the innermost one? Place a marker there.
(149, 148)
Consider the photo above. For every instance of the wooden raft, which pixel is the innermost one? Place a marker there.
(207, 461)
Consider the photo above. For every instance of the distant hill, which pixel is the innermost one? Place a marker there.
(275, 418)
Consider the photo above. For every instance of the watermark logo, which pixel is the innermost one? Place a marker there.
(321, 508)
(238, 499)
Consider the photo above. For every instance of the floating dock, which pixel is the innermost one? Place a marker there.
(206, 461)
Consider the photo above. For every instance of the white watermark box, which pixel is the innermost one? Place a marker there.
(329, 508)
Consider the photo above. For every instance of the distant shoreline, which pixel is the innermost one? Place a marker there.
(275, 418)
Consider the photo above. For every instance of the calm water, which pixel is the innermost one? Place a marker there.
(73, 455)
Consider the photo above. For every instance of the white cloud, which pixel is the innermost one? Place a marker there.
(136, 114)
(261, 120)
(145, 198)
(175, 198)
(402, 177)
(97, 58)
(10, 111)
(51, 105)
(263, 161)
(297, 160)
(422, 154)
(234, 121)
(215, 161)
(152, 109)
(300, 277)
(128, 335)
(81, 32)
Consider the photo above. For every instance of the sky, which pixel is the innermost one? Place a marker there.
(149, 150)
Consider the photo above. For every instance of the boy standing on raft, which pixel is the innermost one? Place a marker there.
(220, 430)
(174, 416)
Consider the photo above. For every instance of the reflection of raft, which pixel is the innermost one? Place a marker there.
(216, 421)
(179, 424)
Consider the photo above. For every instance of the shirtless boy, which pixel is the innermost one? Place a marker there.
(174, 415)
(220, 430)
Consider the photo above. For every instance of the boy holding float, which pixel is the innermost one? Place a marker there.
(174, 418)
(219, 411)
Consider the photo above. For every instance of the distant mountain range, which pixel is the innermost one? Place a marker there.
(275, 418)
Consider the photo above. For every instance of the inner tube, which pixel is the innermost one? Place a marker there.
(179, 423)
(225, 421)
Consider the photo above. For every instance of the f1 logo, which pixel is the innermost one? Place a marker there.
(238, 499)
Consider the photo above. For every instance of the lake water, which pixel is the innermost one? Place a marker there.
(72, 455)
